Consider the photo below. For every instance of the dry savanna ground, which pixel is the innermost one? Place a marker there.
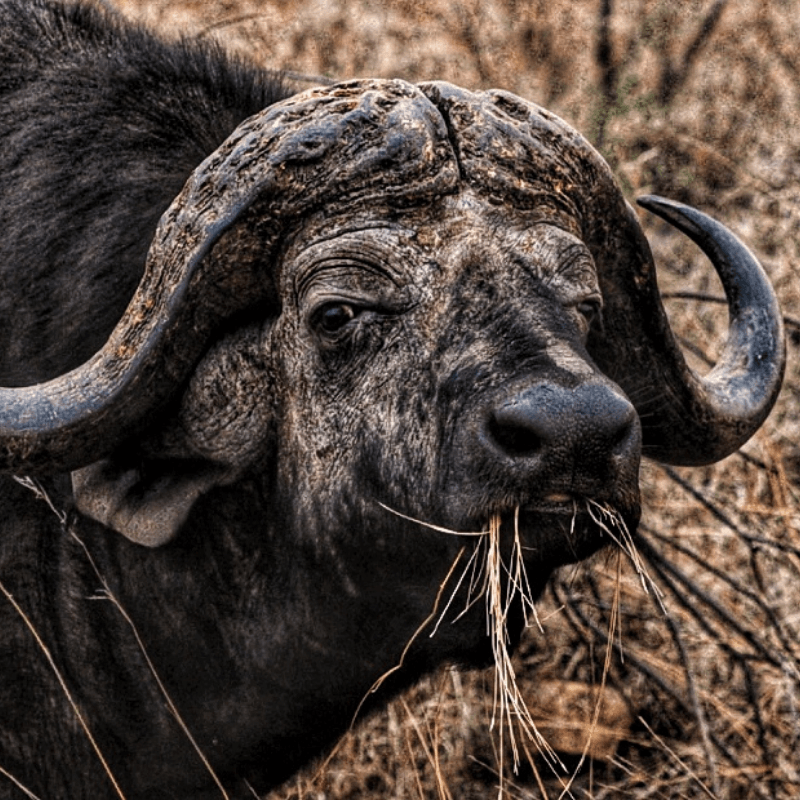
(688, 679)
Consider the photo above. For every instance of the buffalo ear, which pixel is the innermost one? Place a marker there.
(223, 426)
(147, 504)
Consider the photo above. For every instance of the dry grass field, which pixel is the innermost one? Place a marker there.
(687, 671)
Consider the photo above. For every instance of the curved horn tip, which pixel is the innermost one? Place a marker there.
(652, 202)
(744, 279)
(687, 219)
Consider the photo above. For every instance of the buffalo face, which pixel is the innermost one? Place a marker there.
(433, 362)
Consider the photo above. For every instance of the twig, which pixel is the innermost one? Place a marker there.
(33, 485)
(473, 43)
(776, 46)
(683, 295)
(694, 700)
(737, 586)
(665, 569)
(791, 322)
(64, 688)
(431, 754)
(673, 78)
(227, 22)
(686, 344)
(39, 491)
(604, 53)
(24, 789)
(722, 517)
(642, 667)
(401, 661)
(608, 71)
(683, 765)
(752, 696)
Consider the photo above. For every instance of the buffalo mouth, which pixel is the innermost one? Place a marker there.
(560, 529)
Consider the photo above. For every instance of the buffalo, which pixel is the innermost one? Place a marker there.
(267, 360)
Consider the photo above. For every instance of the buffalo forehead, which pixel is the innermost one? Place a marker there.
(429, 247)
(384, 146)
(390, 142)
(512, 149)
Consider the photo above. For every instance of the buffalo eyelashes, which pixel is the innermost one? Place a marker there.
(590, 311)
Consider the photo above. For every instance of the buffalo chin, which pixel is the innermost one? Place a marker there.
(557, 536)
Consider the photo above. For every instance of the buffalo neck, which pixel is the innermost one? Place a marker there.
(241, 624)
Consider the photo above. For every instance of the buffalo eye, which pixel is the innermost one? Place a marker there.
(589, 310)
(332, 317)
(588, 314)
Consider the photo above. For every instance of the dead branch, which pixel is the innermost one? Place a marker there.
(674, 77)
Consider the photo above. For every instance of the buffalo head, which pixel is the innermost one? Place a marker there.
(418, 297)
(375, 312)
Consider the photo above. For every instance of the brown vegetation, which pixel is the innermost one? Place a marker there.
(697, 101)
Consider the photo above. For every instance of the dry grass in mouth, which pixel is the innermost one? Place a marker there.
(501, 585)
(507, 583)
(504, 584)
(609, 520)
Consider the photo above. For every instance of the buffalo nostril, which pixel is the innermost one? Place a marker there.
(626, 436)
(521, 428)
(513, 438)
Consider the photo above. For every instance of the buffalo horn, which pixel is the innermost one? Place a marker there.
(373, 142)
(686, 418)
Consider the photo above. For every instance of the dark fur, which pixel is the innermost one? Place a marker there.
(101, 125)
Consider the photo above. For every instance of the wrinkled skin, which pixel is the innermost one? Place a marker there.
(472, 305)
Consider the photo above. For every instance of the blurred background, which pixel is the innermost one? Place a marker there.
(688, 678)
